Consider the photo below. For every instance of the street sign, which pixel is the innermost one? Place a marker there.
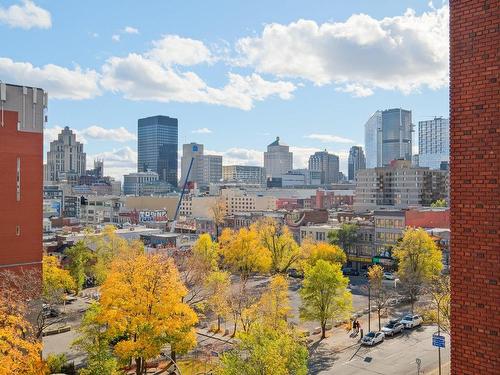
(438, 341)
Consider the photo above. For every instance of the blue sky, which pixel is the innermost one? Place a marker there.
(236, 74)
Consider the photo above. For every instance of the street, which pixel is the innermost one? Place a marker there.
(395, 356)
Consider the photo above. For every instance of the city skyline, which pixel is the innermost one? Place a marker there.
(311, 109)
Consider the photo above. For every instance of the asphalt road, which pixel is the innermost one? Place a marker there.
(394, 356)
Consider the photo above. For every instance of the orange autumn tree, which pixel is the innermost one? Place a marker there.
(20, 351)
(141, 300)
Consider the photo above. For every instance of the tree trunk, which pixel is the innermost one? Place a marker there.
(173, 355)
(323, 330)
(218, 323)
(234, 329)
(138, 366)
(379, 328)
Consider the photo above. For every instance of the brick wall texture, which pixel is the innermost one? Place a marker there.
(475, 192)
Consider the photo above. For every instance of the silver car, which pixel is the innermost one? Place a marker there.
(391, 328)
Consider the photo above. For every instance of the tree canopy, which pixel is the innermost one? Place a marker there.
(324, 294)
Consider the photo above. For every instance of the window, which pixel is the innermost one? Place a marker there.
(18, 230)
(18, 180)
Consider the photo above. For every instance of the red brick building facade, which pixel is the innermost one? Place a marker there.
(475, 189)
(21, 166)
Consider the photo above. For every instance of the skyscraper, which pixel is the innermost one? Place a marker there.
(278, 159)
(373, 132)
(206, 169)
(327, 164)
(356, 161)
(434, 142)
(388, 137)
(21, 156)
(396, 135)
(65, 158)
(157, 142)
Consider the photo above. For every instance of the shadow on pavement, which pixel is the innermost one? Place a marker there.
(321, 358)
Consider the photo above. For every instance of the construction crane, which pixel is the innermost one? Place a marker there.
(174, 221)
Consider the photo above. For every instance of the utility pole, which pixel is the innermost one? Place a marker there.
(439, 334)
(369, 307)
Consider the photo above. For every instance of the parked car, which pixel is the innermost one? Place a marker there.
(393, 327)
(372, 338)
(411, 321)
(295, 274)
(389, 276)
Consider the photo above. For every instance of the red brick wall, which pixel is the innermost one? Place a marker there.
(27, 213)
(428, 218)
(475, 192)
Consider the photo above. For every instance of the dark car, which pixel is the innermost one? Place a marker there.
(295, 274)
(350, 272)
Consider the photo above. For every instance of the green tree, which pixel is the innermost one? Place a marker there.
(94, 340)
(419, 262)
(324, 294)
(379, 294)
(439, 203)
(266, 350)
(79, 256)
(345, 237)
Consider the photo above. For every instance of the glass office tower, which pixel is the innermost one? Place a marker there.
(157, 142)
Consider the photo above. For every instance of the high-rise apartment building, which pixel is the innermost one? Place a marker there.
(388, 137)
(245, 174)
(327, 164)
(396, 135)
(22, 116)
(373, 133)
(157, 140)
(206, 169)
(278, 159)
(434, 142)
(399, 185)
(65, 158)
(355, 162)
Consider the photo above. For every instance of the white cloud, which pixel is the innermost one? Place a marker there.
(239, 156)
(201, 131)
(130, 30)
(115, 38)
(99, 133)
(117, 162)
(26, 16)
(138, 77)
(357, 90)
(361, 54)
(59, 82)
(94, 132)
(173, 49)
(328, 138)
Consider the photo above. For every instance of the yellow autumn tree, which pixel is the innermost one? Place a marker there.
(56, 281)
(141, 300)
(279, 241)
(242, 252)
(274, 305)
(314, 251)
(419, 261)
(20, 351)
(218, 285)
